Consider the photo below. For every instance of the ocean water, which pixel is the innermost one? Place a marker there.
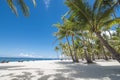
(14, 59)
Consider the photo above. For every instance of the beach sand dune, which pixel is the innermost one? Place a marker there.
(60, 70)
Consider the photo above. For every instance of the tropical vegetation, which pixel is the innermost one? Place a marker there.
(87, 28)
(86, 31)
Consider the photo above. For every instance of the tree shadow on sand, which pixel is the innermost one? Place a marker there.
(17, 68)
(56, 77)
(24, 76)
(11, 74)
(9, 67)
(90, 71)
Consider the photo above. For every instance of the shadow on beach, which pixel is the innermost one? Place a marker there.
(68, 71)
(56, 77)
(24, 76)
(9, 67)
(90, 71)
(17, 68)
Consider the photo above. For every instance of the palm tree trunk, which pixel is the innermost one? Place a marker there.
(93, 56)
(87, 57)
(74, 50)
(98, 55)
(105, 56)
(82, 57)
(70, 49)
(110, 49)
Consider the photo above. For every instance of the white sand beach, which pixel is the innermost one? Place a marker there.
(59, 70)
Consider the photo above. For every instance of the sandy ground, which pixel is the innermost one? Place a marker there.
(59, 70)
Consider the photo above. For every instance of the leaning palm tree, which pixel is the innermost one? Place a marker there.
(95, 17)
(22, 4)
(68, 30)
(63, 32)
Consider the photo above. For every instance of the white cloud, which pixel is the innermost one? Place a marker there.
(47, 2)
(107, 33)
(29, 55)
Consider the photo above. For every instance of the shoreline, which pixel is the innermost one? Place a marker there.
(22, 59)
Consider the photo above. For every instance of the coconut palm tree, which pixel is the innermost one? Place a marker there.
(95, 17)
(68, 30)
(22, 4)
(63, 32)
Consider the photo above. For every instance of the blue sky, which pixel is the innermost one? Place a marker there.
(30, 36)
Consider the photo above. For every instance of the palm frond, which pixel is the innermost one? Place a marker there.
(80, 8)
(106, 14)
(112, 22)
(24, 7)
(12, 6)
(34, 2)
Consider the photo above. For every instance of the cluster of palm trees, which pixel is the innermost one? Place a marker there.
(83, 31)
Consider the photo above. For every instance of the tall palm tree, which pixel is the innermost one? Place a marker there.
(22, 4)
(68, 30)
(95, 17)
(63, 33)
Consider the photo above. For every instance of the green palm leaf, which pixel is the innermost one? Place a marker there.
(112, 22)
(24, 7)
(34, 2)
(22, 4)
(12, 6)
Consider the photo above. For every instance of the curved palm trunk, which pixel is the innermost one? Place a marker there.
(74, 50)
(82, 57)
(105, 56)
(70, 49)
(87, 57)
(98, 55)
(110, 49)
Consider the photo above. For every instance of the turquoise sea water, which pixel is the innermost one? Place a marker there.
(14, 59)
